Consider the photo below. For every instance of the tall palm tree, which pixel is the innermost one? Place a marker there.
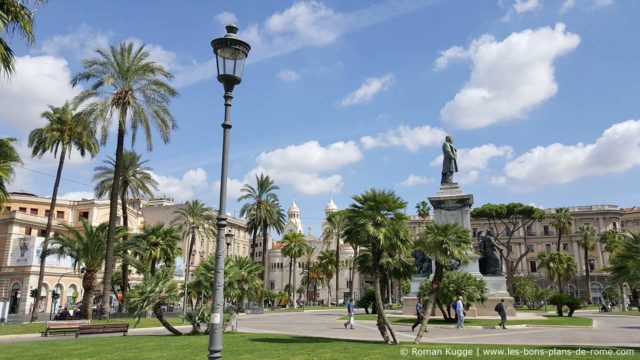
(86, 248)
(334, 231)
(624, 263)
(9, 158)
(135, 181)
(445, 243)
(153, 293)
(15, 17)
(587, 242)
(560, 267)
(155, 244)
(67, 129)
(377, 220)
(423, 209)
(130, 87)
(260, 210)
(327, 266)
(308, 261)
(561, 221)
(294, 246)
(194, 218)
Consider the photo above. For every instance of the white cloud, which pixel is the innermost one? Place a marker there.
(78, 195)
(182, 189)
(498, 181)
(38, 81)
(602, 2)
(309, 167)
(226, 18)
(233, 189)
(413, 180)
(159, 55)
(368, 90)
(593, 4)
(615, 151)
(508, 78)
(411, 138)
(522, 6)
(288, 75)
(473, 161)
(81, 43)
(567, 5)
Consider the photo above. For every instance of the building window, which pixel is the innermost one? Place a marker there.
(507, 231)
(22, 209)
(531, 248)
(565, 246)
(34, 212)
(533, 266)
(547, 247)
(42, 232)
(60, 214)
(348, 284)
(272, 285)
(27, 230)
(529, 231)
(83, 215)
(46, 213)
(615, 226)
(592, 264)
(8, 208)
(475, 232)
(546, 230)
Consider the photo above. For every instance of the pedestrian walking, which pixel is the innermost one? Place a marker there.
(350, 311)
(419, 314)
(502, 312)
(459, 307)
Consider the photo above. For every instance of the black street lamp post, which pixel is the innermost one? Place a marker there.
(231, 53)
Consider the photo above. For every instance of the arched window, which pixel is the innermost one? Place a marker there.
(72, 295)
(16, 294)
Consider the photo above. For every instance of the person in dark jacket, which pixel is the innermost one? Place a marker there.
(419, 315)
(502, 312)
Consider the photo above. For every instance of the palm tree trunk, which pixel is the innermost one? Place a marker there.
(265, 232)
(445, 315)
(290, 273)
(113, 214)
(382, 321)
(337, 268)
(47, 232)
(559, 238)
(353, 273)
(433, 294)
(88, 284)
(157, 311)
(254, 237)
(125, 253)
(587, 272)
(293, 287)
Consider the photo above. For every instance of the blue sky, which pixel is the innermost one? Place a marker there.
(540, 96)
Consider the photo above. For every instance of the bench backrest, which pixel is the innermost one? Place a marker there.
(66, 324)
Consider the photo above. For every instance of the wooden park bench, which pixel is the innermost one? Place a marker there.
(63, 327)
(103, 329)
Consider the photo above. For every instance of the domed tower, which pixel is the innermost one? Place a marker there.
(293, 220)
(331, 207)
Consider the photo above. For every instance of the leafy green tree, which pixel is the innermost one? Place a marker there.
(445, 243)
(561, 221)
(9, 158)
(367, 300)
(155, 244)
(131, 88)
(86, 248)
(610, 293)
(66, 129)
(453, 285)
(334, 231)
(587, 242)
(154, 292)
(15, 17)
(505, 220)
(294, 247)
(313, 277)
(135, 181)
(423, 209)
(262, 211)
(562, 300)
(560, 267)
(624, 263)
(376, 221)
(528, 292)
(613, 241)
(194, 219)
(308, 260)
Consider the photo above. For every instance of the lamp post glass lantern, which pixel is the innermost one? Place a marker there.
(231, 53)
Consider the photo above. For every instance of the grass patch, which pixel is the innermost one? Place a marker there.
(268, 347)
(627, 313)
(550, 320)
(33, 328)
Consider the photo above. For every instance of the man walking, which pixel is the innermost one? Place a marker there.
(419, 315)
(459, 307)
(350, 310)
(502, 312)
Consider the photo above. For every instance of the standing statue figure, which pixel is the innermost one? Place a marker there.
(423, 263)
(450, 160)
(489, 263)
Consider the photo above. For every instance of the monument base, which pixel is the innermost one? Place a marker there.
(409, 305)
(487, 309)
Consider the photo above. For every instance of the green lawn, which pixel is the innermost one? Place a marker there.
(550, 321)
(31, 328)
(628, 313)
(273, 347)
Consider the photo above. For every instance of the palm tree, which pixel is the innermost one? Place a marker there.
(130, 87)
(308, 261)
(262, 211)
(624, 263)
(157, 243)
(294, 247)
(9, 158)
(15, 17)
(154, 292)
(377, 221)
(588, 243)
(327, 266)
(194, 218)
(244, 278)
(135, 181)
(561, 221)
(423, 209)
(560, 267)
(86, 248)
(67, 129)
(334, 230)
(445, 244)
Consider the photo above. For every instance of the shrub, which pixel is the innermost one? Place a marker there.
(368, 299)
(561, 300)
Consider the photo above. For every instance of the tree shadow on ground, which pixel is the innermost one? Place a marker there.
(306, 340)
